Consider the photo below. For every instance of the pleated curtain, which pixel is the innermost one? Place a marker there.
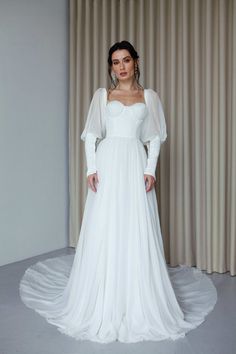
(187, 52)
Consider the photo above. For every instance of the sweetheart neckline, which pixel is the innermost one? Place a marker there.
(125, 105)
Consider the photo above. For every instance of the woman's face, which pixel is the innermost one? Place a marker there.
(122, 64)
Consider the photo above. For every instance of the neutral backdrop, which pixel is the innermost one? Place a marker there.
(33, 127)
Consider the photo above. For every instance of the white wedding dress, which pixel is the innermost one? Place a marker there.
(117, 286)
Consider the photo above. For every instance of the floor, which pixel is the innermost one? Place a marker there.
(24, 331)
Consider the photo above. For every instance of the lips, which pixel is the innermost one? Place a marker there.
(124, 73)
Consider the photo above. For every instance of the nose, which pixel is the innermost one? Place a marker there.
(122, 64)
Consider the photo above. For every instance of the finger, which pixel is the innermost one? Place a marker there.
(90, 181)
(148, 185)
(151, 183)
(96, 181)
(94, 187)
(94, 184)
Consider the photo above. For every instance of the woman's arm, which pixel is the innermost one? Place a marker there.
(153, 154)
(90, 141)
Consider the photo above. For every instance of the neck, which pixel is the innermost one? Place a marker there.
(128, 85)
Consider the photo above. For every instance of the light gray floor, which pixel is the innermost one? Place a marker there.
(24, 331)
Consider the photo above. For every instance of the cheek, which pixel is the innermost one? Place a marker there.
(130, 67)
(115, 69)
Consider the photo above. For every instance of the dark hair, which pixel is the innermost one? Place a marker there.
(123, 45)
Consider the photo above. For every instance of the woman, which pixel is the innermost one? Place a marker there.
(118, 286)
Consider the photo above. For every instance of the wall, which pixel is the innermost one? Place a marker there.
(33, 128)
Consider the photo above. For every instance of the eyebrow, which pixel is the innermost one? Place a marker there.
(127, 56)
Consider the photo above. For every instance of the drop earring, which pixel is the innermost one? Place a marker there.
(136, 71)
(113, 75)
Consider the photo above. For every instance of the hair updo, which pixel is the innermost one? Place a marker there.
(128, 46)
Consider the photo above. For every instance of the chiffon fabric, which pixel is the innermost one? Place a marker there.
(117, 285)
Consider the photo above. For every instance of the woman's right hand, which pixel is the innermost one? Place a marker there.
(92, 181)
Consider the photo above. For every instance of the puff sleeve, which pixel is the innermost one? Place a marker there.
(95, 122)
(154, 124)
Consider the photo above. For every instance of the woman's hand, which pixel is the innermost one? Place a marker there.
(149, 181)
(92, 181)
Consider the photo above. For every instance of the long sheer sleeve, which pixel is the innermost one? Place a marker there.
(94, 129)
(90, 146)
(153, 130)
(153, 154)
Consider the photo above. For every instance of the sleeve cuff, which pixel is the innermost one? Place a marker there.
(90, 172)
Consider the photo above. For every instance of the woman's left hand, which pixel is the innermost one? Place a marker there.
(149, 182)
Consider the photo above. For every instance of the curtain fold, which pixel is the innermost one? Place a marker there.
(187, 54)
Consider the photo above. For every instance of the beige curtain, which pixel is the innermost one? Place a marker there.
(187, 54)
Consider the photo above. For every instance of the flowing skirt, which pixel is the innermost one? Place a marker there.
(117, 285)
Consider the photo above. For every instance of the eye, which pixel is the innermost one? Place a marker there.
(127, 60)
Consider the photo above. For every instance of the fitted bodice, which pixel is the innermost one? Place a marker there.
(124, 121)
